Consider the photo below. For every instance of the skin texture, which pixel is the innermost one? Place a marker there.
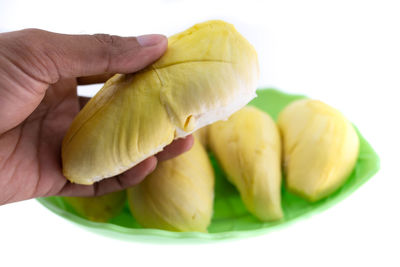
(39, 74)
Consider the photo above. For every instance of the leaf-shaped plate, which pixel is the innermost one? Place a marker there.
(231, 219)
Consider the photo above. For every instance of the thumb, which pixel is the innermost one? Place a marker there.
(67, 56)
(87, 55)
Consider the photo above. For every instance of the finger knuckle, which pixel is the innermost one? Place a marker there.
(107, 39)
(110, 45)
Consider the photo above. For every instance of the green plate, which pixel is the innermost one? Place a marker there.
(230, 218)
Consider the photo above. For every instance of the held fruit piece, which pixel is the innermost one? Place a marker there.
(208, 72)
(178, 195)
(320, 148)
(98, 209)
(202, 135)
(248, 147)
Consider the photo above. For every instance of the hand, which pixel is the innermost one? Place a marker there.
(39, 73)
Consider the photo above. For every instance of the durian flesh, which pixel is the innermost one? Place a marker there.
(208, 72)
(178, 195)
(202, 136)
(320, 148)
(248, 147)
(100, 208)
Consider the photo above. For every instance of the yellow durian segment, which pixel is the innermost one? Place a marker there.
(202, 135)
(214, 47)
(178, 195)
(248, 147)
(98, 209)
(208, 72)
(128, 128)
(320, 148)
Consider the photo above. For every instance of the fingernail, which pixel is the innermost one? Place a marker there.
(150, 39)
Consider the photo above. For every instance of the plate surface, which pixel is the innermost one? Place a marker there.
(230, 218)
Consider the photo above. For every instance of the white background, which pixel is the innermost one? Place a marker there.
(345, 53)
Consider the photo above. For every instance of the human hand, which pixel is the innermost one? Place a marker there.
(39, 73)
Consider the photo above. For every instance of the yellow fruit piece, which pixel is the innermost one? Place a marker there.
(98, 209)
(248, 147)
(208, 72)
(320, 148)
(178, 195)
(202, 135)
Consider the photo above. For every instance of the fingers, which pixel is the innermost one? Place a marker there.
(125, 180)
(176, 148)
